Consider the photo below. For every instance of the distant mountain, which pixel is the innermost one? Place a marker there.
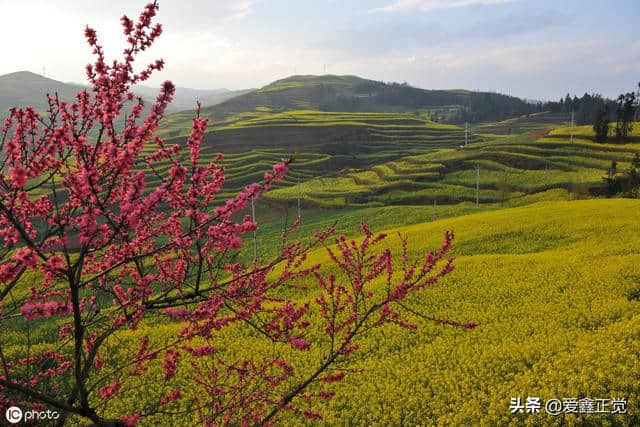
(356, 94)
(185, 98)
(26, 88)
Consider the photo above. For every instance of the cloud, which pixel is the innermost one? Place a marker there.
(239, 9)
(538, 71)
(195, 32)
(428, 5)
(515, 24)
(401, 34)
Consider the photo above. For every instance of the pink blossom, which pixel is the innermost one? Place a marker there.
(131, 420)
(18, 176)
(299, 343)
(110, 390)
(170, 363)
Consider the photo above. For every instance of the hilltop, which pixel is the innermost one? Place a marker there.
(357, 94)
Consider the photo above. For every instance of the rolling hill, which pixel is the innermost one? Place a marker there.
(24, 88)
(379, 158)
(347, 122)
(356, 94)
(334, 123)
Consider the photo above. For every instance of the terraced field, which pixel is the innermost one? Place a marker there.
(323, 144)
(587, 132)
(531, 123)
(510, 167)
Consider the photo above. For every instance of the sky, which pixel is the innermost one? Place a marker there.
(534, 49)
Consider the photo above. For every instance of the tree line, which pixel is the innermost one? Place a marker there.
(627, 110)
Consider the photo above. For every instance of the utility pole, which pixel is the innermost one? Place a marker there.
(637, 117)
(466, 133)
(572, 127)
(299, 213)
(477, 184)
(434, 210)
(255, 232)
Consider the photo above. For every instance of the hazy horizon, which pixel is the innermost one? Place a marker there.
(534, 50)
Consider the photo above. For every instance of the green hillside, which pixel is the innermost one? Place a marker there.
(356, 94)
(322, 143)
(510, 167)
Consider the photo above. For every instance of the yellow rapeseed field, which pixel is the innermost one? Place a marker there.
(550, 285)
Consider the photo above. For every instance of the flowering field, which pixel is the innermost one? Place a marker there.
(551, 287)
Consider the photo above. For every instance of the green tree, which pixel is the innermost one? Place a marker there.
(625, 110)
(601, 124)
